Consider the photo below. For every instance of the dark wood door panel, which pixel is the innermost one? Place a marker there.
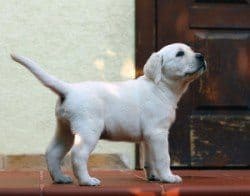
(227, 81)
(219, 125)
(222, 16)
(223, 1)
(220, 139)
(172, 22)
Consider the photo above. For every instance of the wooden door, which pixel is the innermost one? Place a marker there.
(212, 127)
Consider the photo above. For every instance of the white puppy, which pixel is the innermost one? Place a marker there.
(136, 110)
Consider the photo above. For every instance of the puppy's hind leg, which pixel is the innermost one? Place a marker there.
(58, 148)
(86, 139)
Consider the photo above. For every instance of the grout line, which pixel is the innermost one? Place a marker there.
(140, 177)
(145, 179)
(162, 189)
(41, 185)
(137, 176)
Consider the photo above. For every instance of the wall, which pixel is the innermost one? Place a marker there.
(75, 40)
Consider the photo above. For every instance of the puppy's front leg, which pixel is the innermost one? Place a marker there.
(158, 147)
(149, 166)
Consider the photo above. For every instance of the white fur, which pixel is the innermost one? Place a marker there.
(136, 110)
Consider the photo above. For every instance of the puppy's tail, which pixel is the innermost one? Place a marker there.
(59, 87)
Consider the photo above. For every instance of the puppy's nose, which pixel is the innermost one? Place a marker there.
(199, 56)
(201, 60)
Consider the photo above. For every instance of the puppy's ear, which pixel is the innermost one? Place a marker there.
(153, 66)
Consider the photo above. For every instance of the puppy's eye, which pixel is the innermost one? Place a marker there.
(180, 53)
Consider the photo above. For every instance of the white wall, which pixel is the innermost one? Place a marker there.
(75, 40)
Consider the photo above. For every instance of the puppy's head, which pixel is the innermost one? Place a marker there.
(175, 62)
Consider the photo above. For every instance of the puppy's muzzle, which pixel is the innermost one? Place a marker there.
(201, 67)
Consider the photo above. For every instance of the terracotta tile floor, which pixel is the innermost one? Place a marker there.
(126, 182)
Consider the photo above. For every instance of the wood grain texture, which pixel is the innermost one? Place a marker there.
(219, 140)
(222, 16)
(227, 79)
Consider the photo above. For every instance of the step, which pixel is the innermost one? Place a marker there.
(129, 182)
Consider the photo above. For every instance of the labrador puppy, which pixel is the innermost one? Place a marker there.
(135, 110)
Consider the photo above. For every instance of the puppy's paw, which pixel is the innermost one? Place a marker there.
(63, 179)
(90, 182)
(172, 179)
